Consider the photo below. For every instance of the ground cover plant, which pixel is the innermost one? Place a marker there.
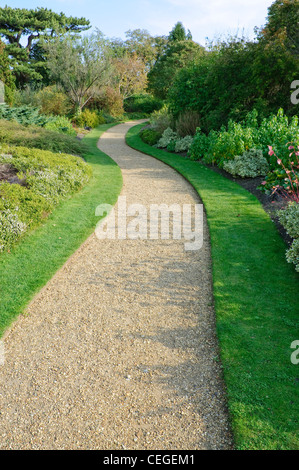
(16, 134)
(256, 305)
(42, 180)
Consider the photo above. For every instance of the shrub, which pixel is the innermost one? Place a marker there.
(187, 123)
(142, 103)
(40, 138)
(168, 136)
(61, 124)
(150, 137)
(184, 144)
(289, 218)
(171, 146)
(231, 142)
(26, 115)
(88, 118)
(277, 131)
(25, 97)
(11, 228)
(249, 165)
(161, 120)
(201, 144)
(109, 101)
(48, 178)
(284, 180)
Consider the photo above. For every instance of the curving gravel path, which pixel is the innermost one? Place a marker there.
(118, 351)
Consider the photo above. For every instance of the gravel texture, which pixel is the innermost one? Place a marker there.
(118, 351)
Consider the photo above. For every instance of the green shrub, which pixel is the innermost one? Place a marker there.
(61, 124)
(37, 137)
(277, 131)
(221, 146)
(171, 146)
(150, 137)
(289, 218)
(249, 165)
(187, 123)
(47, 179)
(184, 144)
(52, 101)
(232, 142)
(30, 207)
(26, 115)
(88, 118)
(142, 103)
(161, 120)
(168, 136)
(202, 144)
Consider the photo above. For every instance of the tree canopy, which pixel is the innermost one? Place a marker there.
(179, 52)
(19, 25)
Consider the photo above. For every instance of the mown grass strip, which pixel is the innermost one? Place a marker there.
(33, 261)
(256, 297)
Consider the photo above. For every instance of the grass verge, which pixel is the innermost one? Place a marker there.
(33, 261)
(256, 305)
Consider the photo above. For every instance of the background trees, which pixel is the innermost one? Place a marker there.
(236, 76)
(179, 51)
(221, 81)
(79, 64)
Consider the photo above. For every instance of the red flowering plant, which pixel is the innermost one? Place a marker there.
(284, 180)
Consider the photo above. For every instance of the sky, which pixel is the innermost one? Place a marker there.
(204, 18)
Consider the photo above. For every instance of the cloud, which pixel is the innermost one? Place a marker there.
(209, 18)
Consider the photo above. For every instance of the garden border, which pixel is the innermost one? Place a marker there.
(256, 302)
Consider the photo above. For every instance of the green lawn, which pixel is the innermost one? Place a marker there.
(256, 296)
(36, 258)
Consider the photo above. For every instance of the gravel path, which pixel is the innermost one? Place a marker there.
(118, 351)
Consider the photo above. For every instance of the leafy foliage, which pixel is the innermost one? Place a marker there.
(47, 179)
(89, 118)
(17, 24)
(289, 218)
(249, 165)
(236, 76)
(180, 51)
(150, 136)
(37, 137)
(142, 103)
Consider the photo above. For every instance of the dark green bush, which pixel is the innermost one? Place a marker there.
(150, 136)
(142, 103)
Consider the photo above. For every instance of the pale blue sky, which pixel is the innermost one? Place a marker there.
(204, 18)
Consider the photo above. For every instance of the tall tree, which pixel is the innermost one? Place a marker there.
(283, 25)
(5, 74)
(130, 75)
(80, 65)
(178, 33)
(20, 25)
(180, 51)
